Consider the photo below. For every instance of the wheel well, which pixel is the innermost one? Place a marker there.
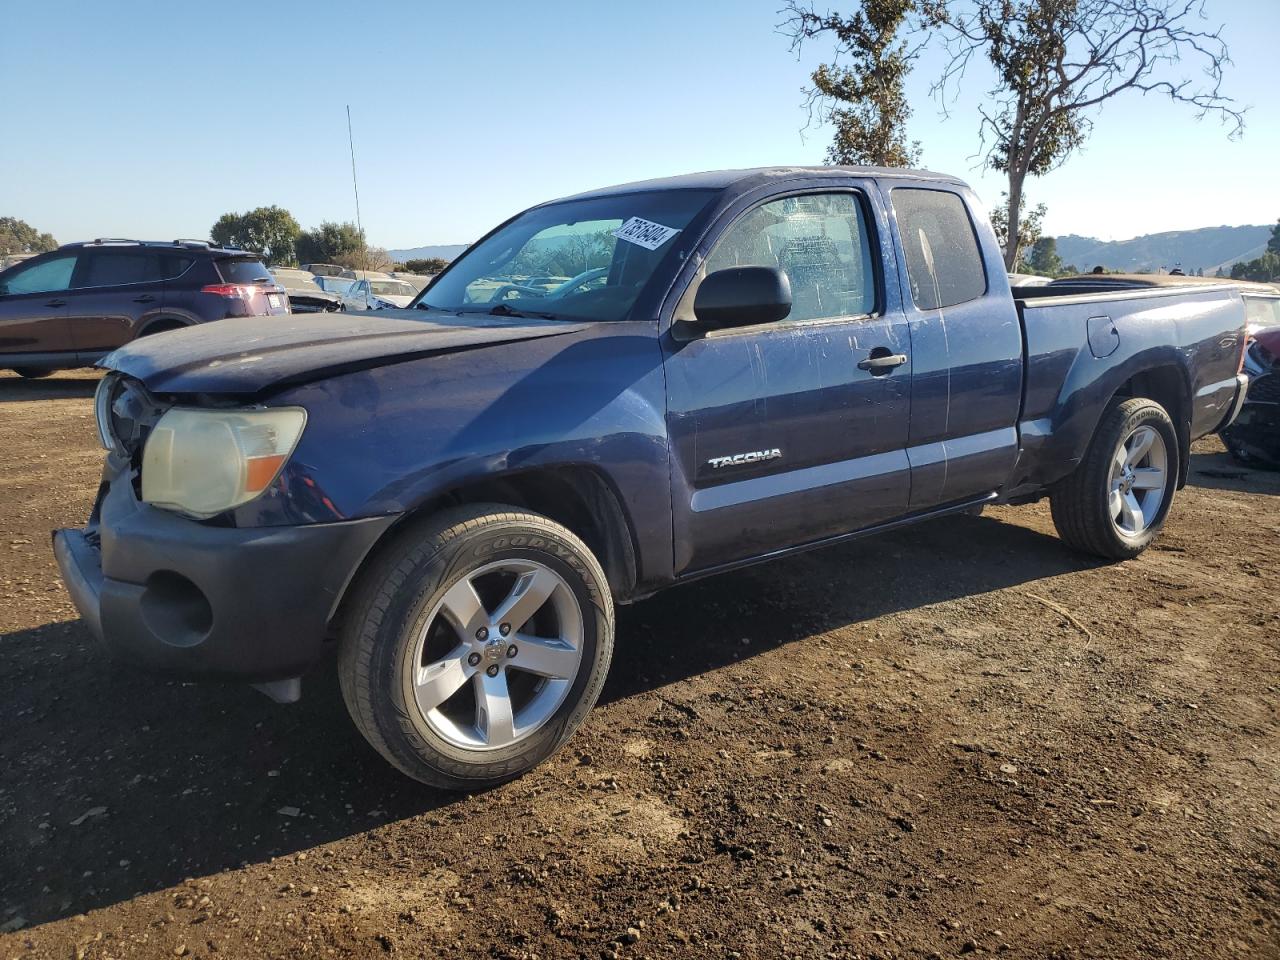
(1168, 387)
(576, 498)
(161, 325)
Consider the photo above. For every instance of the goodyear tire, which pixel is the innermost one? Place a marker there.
(475, 644)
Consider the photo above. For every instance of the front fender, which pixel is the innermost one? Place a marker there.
(390, 439)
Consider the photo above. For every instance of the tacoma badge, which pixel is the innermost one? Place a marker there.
(755, 456)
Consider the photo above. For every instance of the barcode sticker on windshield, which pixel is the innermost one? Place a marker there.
(645, 233)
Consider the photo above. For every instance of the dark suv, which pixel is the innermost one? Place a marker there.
(70, 307)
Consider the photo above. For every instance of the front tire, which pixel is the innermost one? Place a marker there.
(475, 646)
(1115, 502)
(33, 373)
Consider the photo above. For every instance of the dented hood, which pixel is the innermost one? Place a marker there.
(251, 354)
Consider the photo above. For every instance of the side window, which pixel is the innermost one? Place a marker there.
(173, 267)
(46, 277)
(944, 263)
(109, 268)
(820, 240)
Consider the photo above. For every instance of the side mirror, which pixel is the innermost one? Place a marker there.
(741, 297)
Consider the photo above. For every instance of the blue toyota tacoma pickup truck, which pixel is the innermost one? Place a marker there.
(604, 396)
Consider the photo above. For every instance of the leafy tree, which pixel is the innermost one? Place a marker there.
(1044, 258)
(426, 265)
(329, 242)
(861, 92)
(18, 236)
(1266, 269)
(1028, 229)
(1273, 245)
(270, 231)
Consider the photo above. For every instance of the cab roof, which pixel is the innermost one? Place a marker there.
(739, 181)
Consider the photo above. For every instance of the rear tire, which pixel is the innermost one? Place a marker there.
(33, 373)
(1116, 501)
(451, 690)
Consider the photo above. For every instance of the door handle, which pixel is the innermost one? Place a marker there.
(145, 298)
(56, 302)
(882, 361)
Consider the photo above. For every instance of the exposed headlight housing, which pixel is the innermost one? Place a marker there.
(102, 399)
(202, 462)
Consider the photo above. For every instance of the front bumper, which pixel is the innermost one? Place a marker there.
(186, 599)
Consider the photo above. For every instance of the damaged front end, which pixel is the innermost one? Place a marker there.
(1254, 437)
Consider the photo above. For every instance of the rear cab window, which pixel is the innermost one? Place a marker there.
(944, 261)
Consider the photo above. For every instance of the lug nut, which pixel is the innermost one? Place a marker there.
(482, 634)
(504, 629)
(492, 671)
(511, 650)
(473, 659)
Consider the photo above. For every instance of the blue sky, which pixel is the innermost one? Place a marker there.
(151, 119)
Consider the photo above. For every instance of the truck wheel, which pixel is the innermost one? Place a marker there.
(33, 373)
(476, 645)
(1116, 500)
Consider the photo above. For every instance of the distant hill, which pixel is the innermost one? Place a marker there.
(446, 251)
(1208, 248)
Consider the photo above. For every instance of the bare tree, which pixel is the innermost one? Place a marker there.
(861, 92)
(1056, 61)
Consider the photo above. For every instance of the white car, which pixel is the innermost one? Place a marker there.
(378, 295)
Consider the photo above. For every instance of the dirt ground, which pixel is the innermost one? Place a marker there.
(955, 739)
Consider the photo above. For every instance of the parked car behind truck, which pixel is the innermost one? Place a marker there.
(70, 307)
(304, 293)
(456, 495)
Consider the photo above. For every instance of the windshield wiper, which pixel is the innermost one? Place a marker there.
(502, 310)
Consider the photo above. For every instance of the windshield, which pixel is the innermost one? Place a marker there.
(391, 288)
(580, 259)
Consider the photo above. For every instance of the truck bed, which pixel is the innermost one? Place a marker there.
(1083, 345)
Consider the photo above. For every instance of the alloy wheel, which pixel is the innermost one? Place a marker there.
(498, 655)
(1139, 471)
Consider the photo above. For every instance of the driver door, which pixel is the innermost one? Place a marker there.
(33, 308)
(778, 437)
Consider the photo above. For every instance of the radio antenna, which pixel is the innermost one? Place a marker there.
(355, 186)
